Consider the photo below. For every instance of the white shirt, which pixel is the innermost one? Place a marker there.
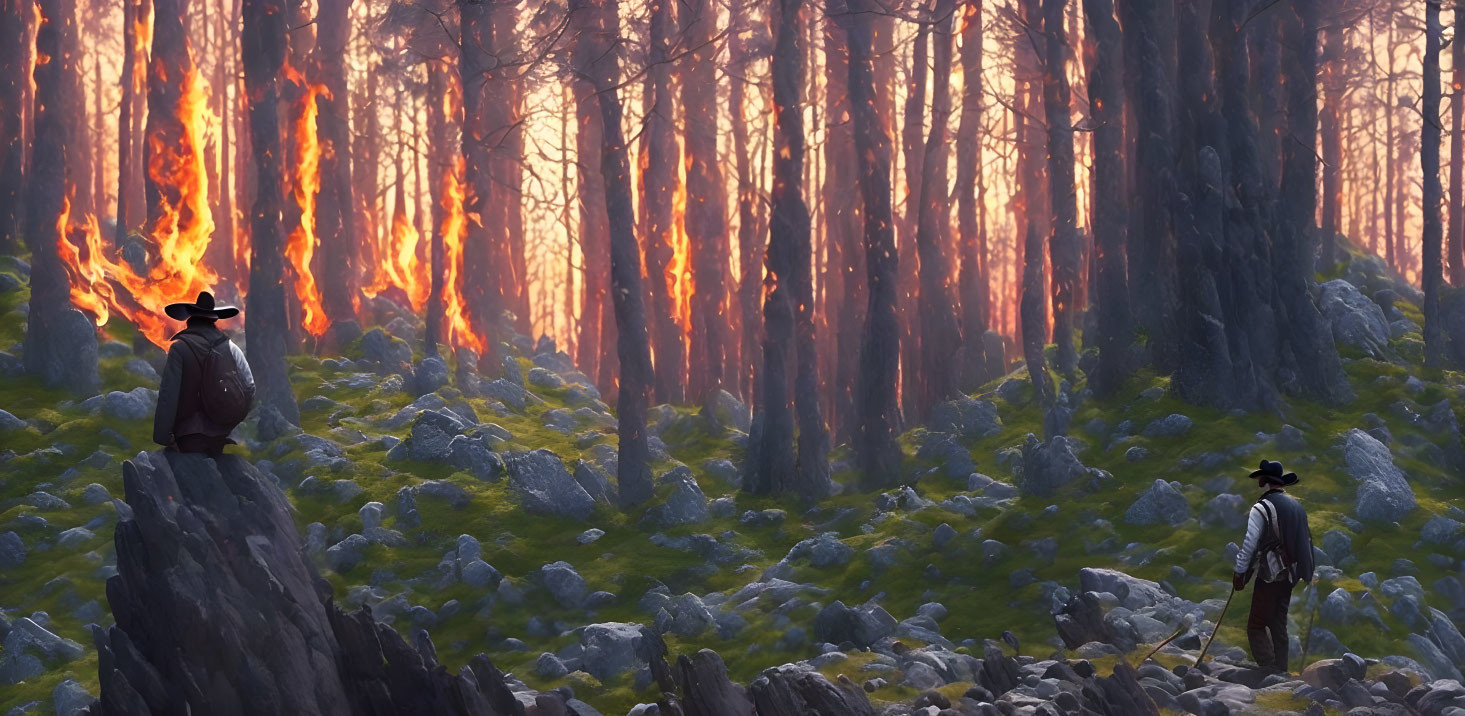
(1256, 521)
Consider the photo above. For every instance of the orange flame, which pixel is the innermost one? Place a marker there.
(455, 229)
(300, 245)
(398, 264)
(679, 270)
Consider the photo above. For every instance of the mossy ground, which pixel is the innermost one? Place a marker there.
(980, 599)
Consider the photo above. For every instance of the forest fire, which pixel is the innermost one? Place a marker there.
(305, 186)
(455, 229)
(679, 280)
(397, 263)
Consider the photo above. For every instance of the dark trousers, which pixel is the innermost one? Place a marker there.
(1266, 627)
(206, 444)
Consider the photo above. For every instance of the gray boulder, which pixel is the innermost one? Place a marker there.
(684, 506)
(949, 456)
(1355, 320)
(1048, 466)
(967, 417)
(135, 404)
(28, 647)
(9, 422)
(610, 649)
(564, 584)
(12, 550)
(1226, 510)
(1160, 504)
(723, 411)
(1172, 425)
(432, 373)
(70, 698)
(1384, 495)
(861, 625)
(545, 487)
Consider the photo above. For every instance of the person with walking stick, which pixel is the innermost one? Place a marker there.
(1278, 550)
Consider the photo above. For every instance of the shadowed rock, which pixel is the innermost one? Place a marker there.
(219, 612)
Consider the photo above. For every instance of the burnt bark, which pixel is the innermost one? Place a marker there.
(1063, 246)
(788, 305)
(171, 63)
(60, 342)
(14, 31)
(1106, 102)
(659, 175)
(940, 335)
(706, 216)
(632, 347)
(1429, 158)
(335, 218)
(263, 51)
(877, 452)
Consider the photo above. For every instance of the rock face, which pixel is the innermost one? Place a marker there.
(1356, 321)
(546, 487)
(218, 611)
(1384, 494)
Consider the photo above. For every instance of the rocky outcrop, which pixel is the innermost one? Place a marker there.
(219, 611)
(1355, 320)
(1384, 494)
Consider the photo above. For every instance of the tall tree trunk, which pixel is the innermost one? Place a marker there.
(485, 296)
(441, 158)
(505, 99)
(913, 150)
(1063, 246)
(594, 233)
(789, 303)
(1332, 141)
(876, 448)
(14, 32)
(1390, 183)
(263, 52)
(171, 64)
(973, 281)
(845, 277)
(1308, 354)
(78, 151)
(221, 248)
(706, 216)
(659, 176)
(940, 334)
(335, 211)
(600, 44)
(60, 342)
(1429, 159)
(1455, 247)
(750, 238)
(1106, 100)
(1034, 315)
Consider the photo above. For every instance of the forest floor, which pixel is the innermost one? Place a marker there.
(994, 557)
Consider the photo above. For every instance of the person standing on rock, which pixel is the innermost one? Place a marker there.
(207, 388)
(1278, 549)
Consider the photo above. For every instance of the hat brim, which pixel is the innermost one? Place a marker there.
(1286, 480)
(185, 311)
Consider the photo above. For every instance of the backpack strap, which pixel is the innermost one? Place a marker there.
(1269, 511)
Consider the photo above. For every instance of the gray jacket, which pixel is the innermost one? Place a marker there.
(179, 412)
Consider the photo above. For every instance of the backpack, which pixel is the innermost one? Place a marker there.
(1273, 542)
(223, 395)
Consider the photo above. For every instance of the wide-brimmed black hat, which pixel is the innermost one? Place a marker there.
(1271, 471)
(202, 308)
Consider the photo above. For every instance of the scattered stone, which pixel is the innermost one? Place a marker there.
(861, 625)
(9, 422)
(12, 550)
(95, 494)
(685, 505)
(1172, 425)
(968, 417)
(1162, 503)
(432, 374)
(1136, 453)
(1226, 510)
(723, 411)
(136, 404)
(74, 536)
(590, 535)
(1356, 321)
(1048, 466)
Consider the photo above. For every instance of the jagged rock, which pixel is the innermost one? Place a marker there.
(1384, 494)
(70, 698)
(949, 456)
(861, 625)
(1160, 504)
(1442, 530)
(684, 506)
(595, 482)
(967, 417)
(219, 535)
(506, 392)
(385, 350)
(613, 648)
(825, 550)
(1048, 466)
(706, 689)
(790, 691)
(544, 378)
(29, 648)
(1355, 320)
(545, 487)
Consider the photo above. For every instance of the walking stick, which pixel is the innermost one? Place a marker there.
(1185, 624)
(1207, 648)
(1307, 637)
